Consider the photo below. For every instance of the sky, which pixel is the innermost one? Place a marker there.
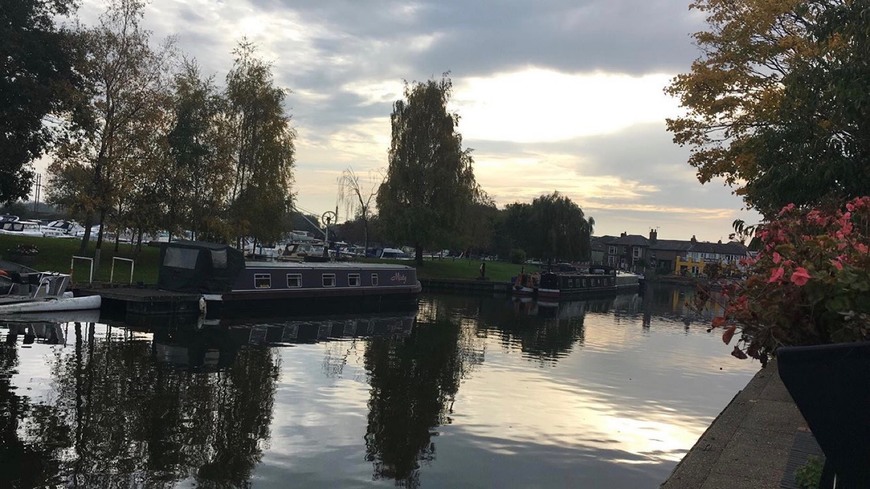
(552, 95)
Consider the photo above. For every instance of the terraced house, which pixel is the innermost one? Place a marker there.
(636, 253)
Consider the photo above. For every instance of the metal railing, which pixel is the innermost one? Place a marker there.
(72, 266)
(112, 273)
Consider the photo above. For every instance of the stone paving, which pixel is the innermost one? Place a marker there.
(748, 444)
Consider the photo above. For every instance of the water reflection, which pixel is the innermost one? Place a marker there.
(118, 418)
(413, 384)
(594, 391)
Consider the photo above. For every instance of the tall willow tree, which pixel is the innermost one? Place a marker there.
(430, 180)
(262, 147)
(552, 227)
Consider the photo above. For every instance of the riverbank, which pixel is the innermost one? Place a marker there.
(757, 441)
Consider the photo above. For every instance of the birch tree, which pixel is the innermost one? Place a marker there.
(262, 145)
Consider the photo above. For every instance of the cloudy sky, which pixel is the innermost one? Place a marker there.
(552, 94)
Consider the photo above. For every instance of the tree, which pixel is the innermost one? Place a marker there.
(357, 200)
(778, 104)
(430, 179)
(38, 80)
(263, 149)
(200, 156)
(125, 77)
(563, 231)
(552, 227)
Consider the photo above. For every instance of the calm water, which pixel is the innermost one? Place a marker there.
(466, 392)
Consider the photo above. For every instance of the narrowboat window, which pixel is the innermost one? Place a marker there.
(329, 280)
(294, 280)
(262, 281)
(374, 279)
(353, 280)
(584, 282)
(180, 258)
(219, 258)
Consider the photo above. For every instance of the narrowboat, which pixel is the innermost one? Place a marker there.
(233, 287)
(564, 285)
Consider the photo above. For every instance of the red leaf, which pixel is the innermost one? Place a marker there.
(718, 322)
(729, 333)
(737, 352)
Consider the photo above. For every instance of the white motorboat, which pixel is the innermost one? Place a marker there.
(23, 290)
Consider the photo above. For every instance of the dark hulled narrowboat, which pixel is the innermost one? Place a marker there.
(232, 287)
(562, 285)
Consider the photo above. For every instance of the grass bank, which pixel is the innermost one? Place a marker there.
(448, 268)
(56, 254)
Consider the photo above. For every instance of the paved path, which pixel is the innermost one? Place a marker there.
(748, 444)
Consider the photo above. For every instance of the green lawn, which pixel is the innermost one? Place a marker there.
(56, 254)
(449, 268)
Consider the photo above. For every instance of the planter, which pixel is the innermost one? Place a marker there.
(830, 385)
(22, 259)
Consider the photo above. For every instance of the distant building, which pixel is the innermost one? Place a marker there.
(599, 249)
(636, 253)
(627, 252)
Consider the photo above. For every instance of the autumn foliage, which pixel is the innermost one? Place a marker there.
(777, 104)
(809, 284)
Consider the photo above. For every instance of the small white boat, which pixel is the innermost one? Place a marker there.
(23, 290)
(52, 304)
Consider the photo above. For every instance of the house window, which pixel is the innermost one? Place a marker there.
(294, 280)
(329, 280)
(262, 281)
(374, 279)
(353, 280)
(637, 252)
(611, 250)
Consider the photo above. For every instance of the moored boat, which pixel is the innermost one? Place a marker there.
(24, 290)
(231, 287)
(526, 284)
(562, 285)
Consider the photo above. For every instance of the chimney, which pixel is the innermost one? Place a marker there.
(622, 235)
(653, 236)
(694, 240)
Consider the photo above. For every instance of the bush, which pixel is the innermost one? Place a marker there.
(809, 284)
(518, 256)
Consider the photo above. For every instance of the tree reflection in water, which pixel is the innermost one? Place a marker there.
(22, 462)
(115, 417)
(413, 383)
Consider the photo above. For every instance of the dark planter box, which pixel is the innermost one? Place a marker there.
(29, 260)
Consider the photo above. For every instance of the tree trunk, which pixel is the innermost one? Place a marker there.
(366, 235)
(418, 255)
(87, 236)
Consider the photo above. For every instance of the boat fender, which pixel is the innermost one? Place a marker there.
(202, 308)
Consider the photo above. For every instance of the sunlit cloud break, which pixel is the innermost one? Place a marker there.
(537, 105)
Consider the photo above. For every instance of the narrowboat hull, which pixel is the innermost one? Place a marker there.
(565, 286)
(236, 304)
(232, 287)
